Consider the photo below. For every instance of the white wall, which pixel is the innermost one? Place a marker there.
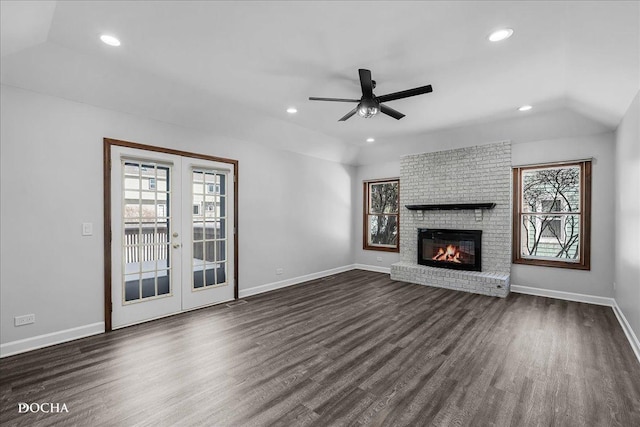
(598, 281)
(295, 211)
(364, 173)
(627, 213)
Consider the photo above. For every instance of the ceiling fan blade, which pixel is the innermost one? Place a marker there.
(405, 93)
(391, 112)
(313, 98)
(366, 83)
(349, 114)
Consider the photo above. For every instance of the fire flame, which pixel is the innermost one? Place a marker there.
(451, 254)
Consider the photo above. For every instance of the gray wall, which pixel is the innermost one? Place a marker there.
(374, 259)
(295, 211)
(598, 281)
(627, 213)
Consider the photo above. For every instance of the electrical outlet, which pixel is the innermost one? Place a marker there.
(279, 271)
(614, 286)
(25, 320)
(379, 259)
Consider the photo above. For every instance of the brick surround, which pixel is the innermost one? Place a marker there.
(466, 175)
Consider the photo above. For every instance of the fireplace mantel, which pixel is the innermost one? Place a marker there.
(451, 206)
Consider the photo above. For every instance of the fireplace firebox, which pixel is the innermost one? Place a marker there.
(455, 249)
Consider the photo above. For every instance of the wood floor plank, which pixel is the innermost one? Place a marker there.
(355, 348)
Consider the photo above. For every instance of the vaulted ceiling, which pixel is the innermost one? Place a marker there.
(235, 67)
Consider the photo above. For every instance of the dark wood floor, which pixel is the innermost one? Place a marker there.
(356, 349)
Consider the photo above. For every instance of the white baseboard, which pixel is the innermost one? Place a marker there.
(375, 268)
(292, 281)
(626, 327)
(46, 340)
(40, 341)
(568, 296)
(590, 299)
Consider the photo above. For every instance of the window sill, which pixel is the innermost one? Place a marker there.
(380, 248)
(550, 263)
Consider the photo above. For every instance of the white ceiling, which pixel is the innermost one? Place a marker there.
(235, 67)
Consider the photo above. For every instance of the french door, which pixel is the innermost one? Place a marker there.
(172, 225)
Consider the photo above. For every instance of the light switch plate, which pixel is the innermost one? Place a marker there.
(87, 229)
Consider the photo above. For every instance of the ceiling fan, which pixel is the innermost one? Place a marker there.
(370, 104)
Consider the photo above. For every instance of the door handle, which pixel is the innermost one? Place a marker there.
(176, 245)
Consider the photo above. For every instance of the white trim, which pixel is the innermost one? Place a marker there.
(590, 299)
(293, 281)
(46, 340)
(313, 276)
(374, 268)
(626, 327)
(569, 296)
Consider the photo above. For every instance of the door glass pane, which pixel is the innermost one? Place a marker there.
(221, 273)
(210, 274)
(131, 287)
(221, 228)
(222, 179)
(145, 240)
(220, 246)
(209, 236)
(198, 278)
(198, 229)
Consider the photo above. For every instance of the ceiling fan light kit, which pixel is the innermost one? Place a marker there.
(368, 109)
(370, 104)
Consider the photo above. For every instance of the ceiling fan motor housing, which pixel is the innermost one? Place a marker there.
(368, 108)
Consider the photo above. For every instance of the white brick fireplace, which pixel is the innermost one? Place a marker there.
(480, 174)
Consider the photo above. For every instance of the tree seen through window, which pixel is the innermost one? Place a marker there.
(381, 215)
(552, 213)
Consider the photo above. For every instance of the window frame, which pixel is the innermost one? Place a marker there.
(584, 211)
(366, 214)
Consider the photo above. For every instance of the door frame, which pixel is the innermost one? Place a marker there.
(106, 165)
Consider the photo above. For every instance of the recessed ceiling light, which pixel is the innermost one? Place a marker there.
(525, 108)
(370, 140)
(501, 34)
(292, 110)
(110, 40)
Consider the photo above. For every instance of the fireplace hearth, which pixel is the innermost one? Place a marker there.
(454, 249)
